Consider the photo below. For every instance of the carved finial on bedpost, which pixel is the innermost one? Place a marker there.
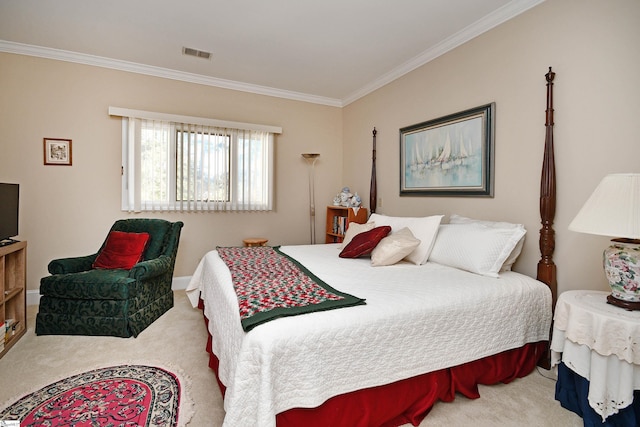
(373, 190)
(546, 266)
(550, 75)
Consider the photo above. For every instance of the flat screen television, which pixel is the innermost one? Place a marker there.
(9, 198)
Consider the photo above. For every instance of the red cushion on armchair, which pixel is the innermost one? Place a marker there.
(122, 250)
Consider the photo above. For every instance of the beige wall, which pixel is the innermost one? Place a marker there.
(593, 48)
(591, 44)
(67, 211)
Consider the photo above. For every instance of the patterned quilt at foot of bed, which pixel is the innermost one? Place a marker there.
(269, 284)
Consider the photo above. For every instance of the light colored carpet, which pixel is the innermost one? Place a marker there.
(177, 341)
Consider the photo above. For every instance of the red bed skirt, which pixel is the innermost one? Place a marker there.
(410, 400)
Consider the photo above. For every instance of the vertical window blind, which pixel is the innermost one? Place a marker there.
(194, 165)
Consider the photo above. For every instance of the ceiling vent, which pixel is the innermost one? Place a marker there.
(195, 52)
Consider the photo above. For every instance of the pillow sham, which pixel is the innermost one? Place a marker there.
(394, 248)
(363, 243)
(122, 250)
(475, 247)
(513, 256)
(353, 229)
(424, 229)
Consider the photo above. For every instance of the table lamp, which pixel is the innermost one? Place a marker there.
(614, 210)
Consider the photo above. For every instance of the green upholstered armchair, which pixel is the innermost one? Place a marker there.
(80, 300)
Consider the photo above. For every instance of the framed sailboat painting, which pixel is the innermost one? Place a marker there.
(449, 156)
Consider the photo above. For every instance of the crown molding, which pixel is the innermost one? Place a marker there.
(499, 16)
(132, 67)
(490, 21)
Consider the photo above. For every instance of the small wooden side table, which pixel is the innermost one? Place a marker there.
(255, 241)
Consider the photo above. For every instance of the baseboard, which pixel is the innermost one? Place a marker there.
(177, 284)
(33, 297)
(180, 283)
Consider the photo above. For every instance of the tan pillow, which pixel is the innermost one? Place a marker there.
(353, 229)
(394, 247)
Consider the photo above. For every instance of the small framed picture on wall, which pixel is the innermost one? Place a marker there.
(57, 151)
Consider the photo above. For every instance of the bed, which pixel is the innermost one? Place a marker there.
(426, 330)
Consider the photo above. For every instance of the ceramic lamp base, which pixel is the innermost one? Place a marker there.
(622, 268)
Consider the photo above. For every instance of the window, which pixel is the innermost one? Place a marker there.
(178, 163)
(212, 172)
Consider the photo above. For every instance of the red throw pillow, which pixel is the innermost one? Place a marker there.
(365, 242)
(122, 250)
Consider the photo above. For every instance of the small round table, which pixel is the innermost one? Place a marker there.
(255, 241)
(599, 342)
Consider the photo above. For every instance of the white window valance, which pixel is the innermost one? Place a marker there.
(176, 118)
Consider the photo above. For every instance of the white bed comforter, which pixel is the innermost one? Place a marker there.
(417, 319)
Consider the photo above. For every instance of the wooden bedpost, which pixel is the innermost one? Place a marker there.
(373, 190)
(546, 266)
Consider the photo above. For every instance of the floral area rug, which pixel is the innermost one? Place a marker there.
(118, 396)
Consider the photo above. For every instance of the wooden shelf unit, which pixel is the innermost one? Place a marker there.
(13, 288)
(346, 216)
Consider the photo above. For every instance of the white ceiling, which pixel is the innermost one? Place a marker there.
(325, 51)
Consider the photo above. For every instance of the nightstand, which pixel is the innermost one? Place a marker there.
(601, 344)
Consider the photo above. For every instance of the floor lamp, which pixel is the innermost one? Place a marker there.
(311, 159)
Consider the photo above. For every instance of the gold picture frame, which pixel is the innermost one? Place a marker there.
(57, 152)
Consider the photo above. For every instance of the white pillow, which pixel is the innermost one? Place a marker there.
(475, 247)
(354, 229)
(394, 247)
(424, 229)
(513, 256)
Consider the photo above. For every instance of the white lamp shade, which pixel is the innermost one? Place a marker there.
(613, 209)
